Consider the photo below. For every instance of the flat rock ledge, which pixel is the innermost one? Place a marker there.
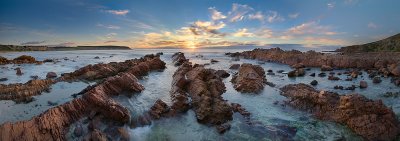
(370, 119)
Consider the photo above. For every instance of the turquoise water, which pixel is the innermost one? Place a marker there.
(269, 118)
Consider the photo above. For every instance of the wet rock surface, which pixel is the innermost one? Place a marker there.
(23, 59)
(178, 58)
(250, 78)
(385, 62)
(20, 91)
(369, 119)
(95, 101)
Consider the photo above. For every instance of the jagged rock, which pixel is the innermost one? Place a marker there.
(96, 135)
(222, 73)
(123, 133)
(314, 82)
(238, 108)
(52, 124)
(24, 59)
(158, 109)
(296, 73)
(234, 66)
(18, 71)
(223, 128)
(312, 74)
(369, 119)
(250, 78)
(363, 84)
(331, 77)
(316, 59)
(376, 80)
(326, 68)
(322, 74)
(179, 58)
(51, 75)
(20, 91)
(298, 66)
(338, 87)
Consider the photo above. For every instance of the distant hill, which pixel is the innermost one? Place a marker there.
(390, 44)
(46, 48)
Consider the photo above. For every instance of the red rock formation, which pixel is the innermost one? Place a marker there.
(24, 59)
(99, 71)
(315, 59)
(52, 124)
(250, 78)
(178, 94)
(20, 91)
(369, 119)
(179, 58)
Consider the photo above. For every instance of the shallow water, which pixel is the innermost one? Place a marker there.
(268, 115)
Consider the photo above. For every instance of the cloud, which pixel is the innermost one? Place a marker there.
(111, 41)
(108, 26)
(33, 43)
(330, 5)
(372, 25)
(310, 28)
(323, 41)
(242, 33)
(215, 14)
(238, 12)
(118, 12)
(257, 16)
(294, 15)
(265, 33)
(111, 35)
(273, 16)
(207, 28)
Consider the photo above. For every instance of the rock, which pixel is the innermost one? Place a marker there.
(395, 70)
(49, 103)
(270, 73)
(250, 78)
(235, 59)
(53, 124)
(270, 70)
(349, 79)
(376, 79)
(18, 71)
(312, 74)
(223, 127)
(28, 89)
(48, 60)
(24, 59)
(222, 73)
(96, 135)
(363, 84)
(238, 108)
(352, 87)
(370, 119)
(179, 58)
(298, 66)
(159, 109)
(159, 53)
(326, 68)
(270, 84)
(51, 75)
(3, 79)
(354, 74)
(331, 77)
(314, 82)
(123, 133)
(280, 71)
(214, 61)
(296, 73)
(338, 87)
(322, 74)
(97, 57)
(34, 77)
(78, 131)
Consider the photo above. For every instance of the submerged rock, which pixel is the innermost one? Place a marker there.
(376, 80)
(250, 78)
(370, 119)
(222, 73)
(234, 66)
(3, 79)
(51, 75)
(18, 71)
(363, 84)
(296, 73)
(331, 77)
(314, 82)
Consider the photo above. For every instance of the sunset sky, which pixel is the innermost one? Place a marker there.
(196, 23)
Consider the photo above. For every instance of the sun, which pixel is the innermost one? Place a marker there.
(191, 45)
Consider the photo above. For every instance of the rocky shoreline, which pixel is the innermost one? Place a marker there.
(95, 101)
(369, 119)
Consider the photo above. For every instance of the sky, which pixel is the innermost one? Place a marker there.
(196, 23)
